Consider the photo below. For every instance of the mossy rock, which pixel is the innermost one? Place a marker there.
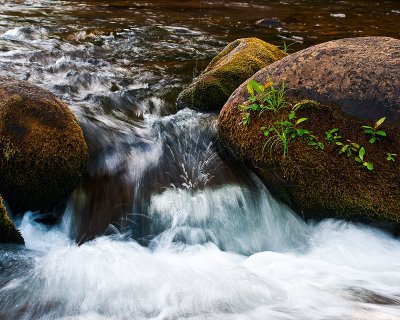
(8, 231)
(318, 183)
(43, 150)
(237, 62)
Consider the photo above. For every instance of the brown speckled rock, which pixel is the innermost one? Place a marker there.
(357, 76)
(361, 75)
(43, 152)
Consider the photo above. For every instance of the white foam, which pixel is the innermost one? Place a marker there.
(111, 279)
(338, 15)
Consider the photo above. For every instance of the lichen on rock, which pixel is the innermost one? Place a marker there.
(238, 61)
(43, 150)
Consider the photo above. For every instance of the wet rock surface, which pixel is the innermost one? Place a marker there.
(44, 152)
(8, 231)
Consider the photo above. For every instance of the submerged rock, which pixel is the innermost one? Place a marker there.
(320, 183)
(361, 75)
(43, 151)
(8, 231)
(269, 23)
(237, 62)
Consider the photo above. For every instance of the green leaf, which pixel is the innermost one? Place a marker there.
(338, 143)
(312, 137)
(391, 156)
(361, 153)
(312, 143)
(301, 120)
(255, 86)
(358, 159)
(321, 145)
(379, 122)
(355, 145)
(250, 89)
(334, 130)
(369, 166)
(381, 133)
(367, 127)
(300, 132)
(369, 131)
(292, 115)
(254, 107)
(344, 148)
(372, 140)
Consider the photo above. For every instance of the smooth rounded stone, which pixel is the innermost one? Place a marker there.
(361, 75)
(43, 150)
(238, 61)
(350, 76)
(8, 231)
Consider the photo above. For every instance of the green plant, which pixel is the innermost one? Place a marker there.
(360, 159)
(286, 47)
(391, 156)
(304, 103)
(285, 131)
(348, 148)
(282, 132)
(352, 149)
(263, 97)
(313, 142)
(374, 132)
(332, 136)
(246, 118)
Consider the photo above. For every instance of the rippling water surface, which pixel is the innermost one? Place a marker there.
(168, 225)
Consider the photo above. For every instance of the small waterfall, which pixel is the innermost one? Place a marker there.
(181, 189)
(231, 216)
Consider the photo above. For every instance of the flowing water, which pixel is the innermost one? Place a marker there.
(166, 225)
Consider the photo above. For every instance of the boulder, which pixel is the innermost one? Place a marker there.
(237, 62)
(361, 75)
(8, 232)
(320, 183)
(43, 150)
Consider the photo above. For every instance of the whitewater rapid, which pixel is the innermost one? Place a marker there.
(344, 271)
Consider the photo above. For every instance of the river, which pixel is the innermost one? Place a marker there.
(166, 225)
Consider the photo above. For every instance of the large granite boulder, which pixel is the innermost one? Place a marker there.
(8, 232)
(43, 151)
(361, 75)
(317, 182)
(237, 62)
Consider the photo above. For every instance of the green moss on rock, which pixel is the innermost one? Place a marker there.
(8, 232)
(237, 62)
(43, 151)
(319, 183)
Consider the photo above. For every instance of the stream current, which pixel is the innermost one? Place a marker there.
(166, 225)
